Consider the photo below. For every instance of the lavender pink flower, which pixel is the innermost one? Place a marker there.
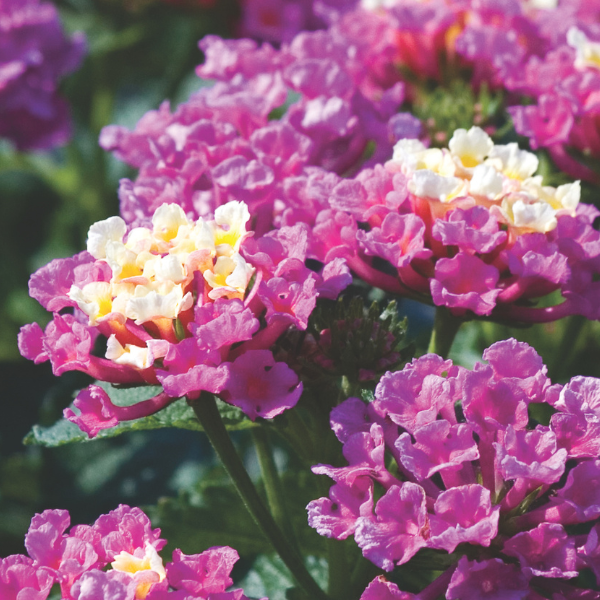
(470, 228)
(485, 476)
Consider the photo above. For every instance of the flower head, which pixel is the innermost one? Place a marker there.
(485, 476)
(470, 227)
(178, 302)
(116, 558)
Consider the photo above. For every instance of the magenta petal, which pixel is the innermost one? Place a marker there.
(520, 364)
(21, 578)
(464, 514)
(380, 589)
(348, 418)
(97, 412)
(260, 386)
(337, 516)
(465, 282)
(125, 529)
(439, 445)
(400, 239)
(100, 585)
(546, 551)
(530, 455)
(490, 579)
(31, 343)
(414, 396)
(45, 535)
(474, 230)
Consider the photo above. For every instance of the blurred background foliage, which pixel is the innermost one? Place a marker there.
(140, 53)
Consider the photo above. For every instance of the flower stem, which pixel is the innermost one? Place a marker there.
(567, 344)
(339, 581)
(445, 328)
(208, 414)
(272, 481)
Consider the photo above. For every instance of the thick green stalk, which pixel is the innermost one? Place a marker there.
(208, 414)
(445, 328)
(272, 481)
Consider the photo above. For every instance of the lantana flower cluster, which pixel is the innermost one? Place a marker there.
(116, 558)
(192, 305)
(226, 142)
(515, 502)
(469, 226)
(533, 49)
(34, 55)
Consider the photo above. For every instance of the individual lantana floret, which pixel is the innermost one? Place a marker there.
(187, 304)
(470, 227)
(116, 557)
(484, 477)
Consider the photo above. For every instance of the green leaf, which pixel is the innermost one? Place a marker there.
(178, 415)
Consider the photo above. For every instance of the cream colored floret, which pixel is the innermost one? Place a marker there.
(588, 53)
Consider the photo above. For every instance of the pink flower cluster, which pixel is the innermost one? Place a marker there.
(226, 142)
(192, 305)
(34, 56)
(470, 227)
(492, 246)
(123, 540)
(471, 469)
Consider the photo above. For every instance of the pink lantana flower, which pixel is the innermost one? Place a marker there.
(472, 228)
(470, 473)
(116, 558)
(191, 305)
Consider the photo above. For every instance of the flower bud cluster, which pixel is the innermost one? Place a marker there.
(124, 541)
(472, 470)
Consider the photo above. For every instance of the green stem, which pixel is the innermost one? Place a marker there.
(445, 328)
(570, 336)
(208, 414)
(272, 482)
(339, 582)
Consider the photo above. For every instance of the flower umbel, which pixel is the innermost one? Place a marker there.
(184, 303)
(485, 476)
